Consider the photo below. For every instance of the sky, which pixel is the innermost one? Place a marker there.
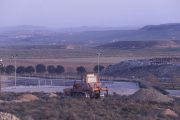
(77, 13)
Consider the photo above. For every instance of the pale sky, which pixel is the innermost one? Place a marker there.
(77, 13)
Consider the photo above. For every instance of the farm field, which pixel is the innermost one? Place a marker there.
(71, 59)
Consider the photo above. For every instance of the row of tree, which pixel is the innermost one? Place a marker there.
(41, 68)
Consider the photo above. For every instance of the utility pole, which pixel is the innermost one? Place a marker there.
(98, 64)
(1, 65)
(15, 56)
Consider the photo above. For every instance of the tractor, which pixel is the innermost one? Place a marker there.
(87, 88)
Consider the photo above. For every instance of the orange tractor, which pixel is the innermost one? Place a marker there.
(88, 87)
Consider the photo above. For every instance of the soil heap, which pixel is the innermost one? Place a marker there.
(160, 112)
(142, 68)
(28, 97)
(7, 116)
(150, 95)
(1, 101)
(49, 95)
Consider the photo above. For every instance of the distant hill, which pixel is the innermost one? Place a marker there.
(94, 28)
(141, 44)
(23, 27)
(71, 29)
(86, 35)
(171, 26)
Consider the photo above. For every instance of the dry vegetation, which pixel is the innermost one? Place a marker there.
(114, 107)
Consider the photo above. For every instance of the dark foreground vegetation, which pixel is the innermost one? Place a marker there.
(115, 107)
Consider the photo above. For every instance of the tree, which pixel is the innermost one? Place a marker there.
(51, 69)
(20, 70)
(29, 69)
(80, 70)
(40, 68)
(100, 68)
(3, 70)
(10, 69)
(59, 69)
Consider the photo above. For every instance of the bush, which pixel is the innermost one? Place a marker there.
(142, 85)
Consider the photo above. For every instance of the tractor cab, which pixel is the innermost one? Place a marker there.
(90, 80)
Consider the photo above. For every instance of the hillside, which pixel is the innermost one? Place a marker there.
(171, 26)
(96, 36)
(141, 44)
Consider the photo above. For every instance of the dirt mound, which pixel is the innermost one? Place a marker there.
(49, 95)
(22, 100)
(150, 95)
(7, 116)
(1, 101)
(166, 66)
(160, 112)
(28, 97)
